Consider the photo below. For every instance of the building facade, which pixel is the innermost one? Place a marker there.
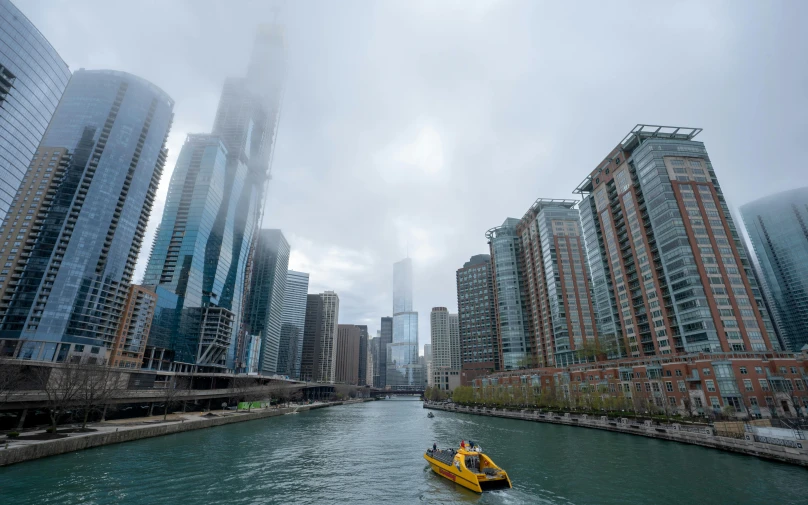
(513, 337)
(177, 262)
(32, 79)
(327, 352)
(348, 349)
(372, 371)
(264, 314)
(670, 273)
(385, 339)
(246, 121)
(133, 328)
(403, 369)
(731, 385)
(74, 273)
(294, 312)
(363, 354)
(477, 320)
(778, 229)
(556, 283)
(312, 339)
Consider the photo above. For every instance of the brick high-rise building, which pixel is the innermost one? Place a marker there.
(133, 329)
(556, 284)
(669, 273)
(477, 320)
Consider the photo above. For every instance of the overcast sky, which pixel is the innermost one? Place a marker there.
(421, 124)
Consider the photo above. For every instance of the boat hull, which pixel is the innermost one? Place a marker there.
(473, 481)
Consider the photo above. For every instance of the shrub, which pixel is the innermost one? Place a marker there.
(51, 430)
(13, 434)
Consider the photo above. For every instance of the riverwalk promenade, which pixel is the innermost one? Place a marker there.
(17, 450)
(792, 450)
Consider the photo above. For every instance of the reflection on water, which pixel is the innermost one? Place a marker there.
(373, 454)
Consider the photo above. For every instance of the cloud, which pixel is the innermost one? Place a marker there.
(419, 125)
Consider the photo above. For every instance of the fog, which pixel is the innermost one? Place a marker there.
(413, 127)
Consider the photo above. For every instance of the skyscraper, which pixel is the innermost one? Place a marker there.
(71, 278)
(454, 341)
(246, 121)
(512, 315)
(428, 361)
(347, 354)
(177, 262)
(439, 336)
(32, 79)
(363, 353)
(385, 339)
(327, 352)
(267, 286)
(312, 338)
(215, 204)
(778, 228)
(403, 370)
(556, 285)
(479, 351)
(669, 273)
(294, 313)
(371, 375)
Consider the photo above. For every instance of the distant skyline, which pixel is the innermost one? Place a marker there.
(387, 139)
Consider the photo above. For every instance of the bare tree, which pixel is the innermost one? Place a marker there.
(175, 388)
(101, 384)
(61, 386)
(249, 390)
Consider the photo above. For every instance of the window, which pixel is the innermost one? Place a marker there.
(638, 386)
(681, 385)
(715, 403)
(747, 384)
(753, 401)
(672, 401)
(743, 370)
(697, 402)
(669, 386)
(758, 369)
(710, 386)
(793, 369)
(764, 384)
(706, 371)
(678, 373)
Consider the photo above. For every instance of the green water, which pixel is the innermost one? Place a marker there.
(372, 453)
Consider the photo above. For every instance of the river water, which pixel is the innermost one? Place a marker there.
(372, 453)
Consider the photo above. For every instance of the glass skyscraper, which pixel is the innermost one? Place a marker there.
(264, 313)
(32, 79)
(778, 228)
(207, 236)
(512, 329)
(246, 121)
(403, 370)
(294, 313)
(176, 265)
(74, 272)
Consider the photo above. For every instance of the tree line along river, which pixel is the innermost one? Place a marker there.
(372, 453)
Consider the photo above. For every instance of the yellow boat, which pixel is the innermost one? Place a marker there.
(470, 468)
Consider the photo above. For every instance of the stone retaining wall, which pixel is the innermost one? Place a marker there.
(797, 454)
(76, 443)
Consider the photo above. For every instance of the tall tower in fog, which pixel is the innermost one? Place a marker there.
(403, 370)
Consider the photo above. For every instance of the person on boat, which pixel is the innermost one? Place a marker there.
(462, 444)
(434, 447)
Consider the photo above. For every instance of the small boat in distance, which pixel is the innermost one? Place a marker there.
(430, 415)
(468, 467)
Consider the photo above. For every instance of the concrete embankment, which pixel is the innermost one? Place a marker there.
(19, 451)
(793, 451)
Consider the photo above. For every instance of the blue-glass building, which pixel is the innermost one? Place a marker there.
(264, 315)
(513, 324)
(778, 228)
(75, 271)
(177, 262)
(246, 121)
(32, 79)
(403, 368)
(294, 315)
